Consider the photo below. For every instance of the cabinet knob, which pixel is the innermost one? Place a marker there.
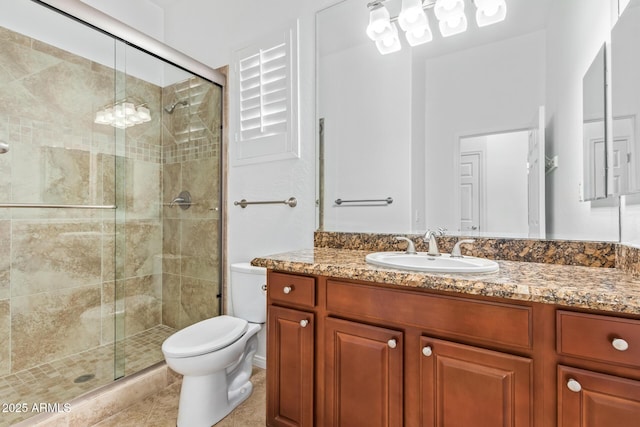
(287, 289)
(427, 351)
(304, 323)
(574, 385)
(620, 344)
(392, 343)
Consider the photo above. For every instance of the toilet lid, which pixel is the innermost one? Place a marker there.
(205, 337)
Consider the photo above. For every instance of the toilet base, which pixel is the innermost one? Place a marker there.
(204, 400)
(207, 399)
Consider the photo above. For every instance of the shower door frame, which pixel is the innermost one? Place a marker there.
(129, 36)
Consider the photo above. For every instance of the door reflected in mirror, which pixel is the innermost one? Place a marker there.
(594, 129)
(500, 187)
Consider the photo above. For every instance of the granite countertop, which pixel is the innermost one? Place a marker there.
(607, 289)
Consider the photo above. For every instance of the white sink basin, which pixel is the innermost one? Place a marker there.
(440, 264)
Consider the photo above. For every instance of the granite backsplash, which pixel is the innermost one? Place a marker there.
(562, 252)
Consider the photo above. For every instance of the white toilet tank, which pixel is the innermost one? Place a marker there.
(248, 295)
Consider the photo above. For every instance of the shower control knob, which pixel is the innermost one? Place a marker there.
(287, 289)
(304, 323)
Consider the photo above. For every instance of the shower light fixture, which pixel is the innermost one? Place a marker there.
(123, 114)
(414, 22)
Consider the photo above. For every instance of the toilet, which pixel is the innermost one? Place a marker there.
(215, 355)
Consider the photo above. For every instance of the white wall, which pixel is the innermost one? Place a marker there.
(143, 15)
(505, 185)
(210, 31)
(360, 132)
(496, 87)
(574, 35)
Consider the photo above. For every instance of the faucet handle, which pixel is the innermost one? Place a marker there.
(411, 248)
(455, 252)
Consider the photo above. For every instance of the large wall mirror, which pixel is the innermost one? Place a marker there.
(594, 113)
(479, 133)
(625, 101)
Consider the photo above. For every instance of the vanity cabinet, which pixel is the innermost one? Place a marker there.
(464, 385)
(290, 350)
(591, 399)
(364, 375)
(601, 350)
(389, 357)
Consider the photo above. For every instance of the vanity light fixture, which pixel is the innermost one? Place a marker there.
(490, 11)
(414, 22)
(123, 114)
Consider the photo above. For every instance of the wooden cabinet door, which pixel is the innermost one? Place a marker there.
(290, 367)
(469, 386)
(364, 371)
(590, 399)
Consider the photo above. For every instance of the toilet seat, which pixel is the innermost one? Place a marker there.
(205, 337)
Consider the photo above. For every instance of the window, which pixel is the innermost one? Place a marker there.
(267, 99)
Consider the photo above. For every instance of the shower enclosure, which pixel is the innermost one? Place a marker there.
(101, 254)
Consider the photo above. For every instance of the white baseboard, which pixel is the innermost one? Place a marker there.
(260, 361)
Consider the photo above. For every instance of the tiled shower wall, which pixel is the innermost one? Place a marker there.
(57, 266)
(191, 162)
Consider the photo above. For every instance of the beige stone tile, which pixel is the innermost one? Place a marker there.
(143, 240)
(199, 248)
(171, 237)
(171, 300)
(5, 259)
(117, 399)
(198, 300)
(5, 333)
(54, 324)
(65, 176)
(52, 255)
(172, 185)
(143, 303)
(202, 176)
(143, 197)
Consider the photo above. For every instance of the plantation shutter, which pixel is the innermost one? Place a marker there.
(267, 99)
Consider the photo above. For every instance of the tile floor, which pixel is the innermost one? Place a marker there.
(161, 410)
(54, 382)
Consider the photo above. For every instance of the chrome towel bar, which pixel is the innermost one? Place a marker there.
(388, 201)
(53, 206)
(291, 202)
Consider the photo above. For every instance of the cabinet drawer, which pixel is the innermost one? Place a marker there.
(596, 337)
(292, 289)
(472, 320)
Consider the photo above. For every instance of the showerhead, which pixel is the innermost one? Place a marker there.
(169, 108)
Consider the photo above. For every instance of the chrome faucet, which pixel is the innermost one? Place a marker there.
(455, 252)
(411, 248)
(430, 238)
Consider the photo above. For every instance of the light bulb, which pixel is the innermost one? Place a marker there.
(412, 15)
(128, 108)
(144, 114)
(454, 21)
(491, 10)
(379, 23)
(449, 4)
